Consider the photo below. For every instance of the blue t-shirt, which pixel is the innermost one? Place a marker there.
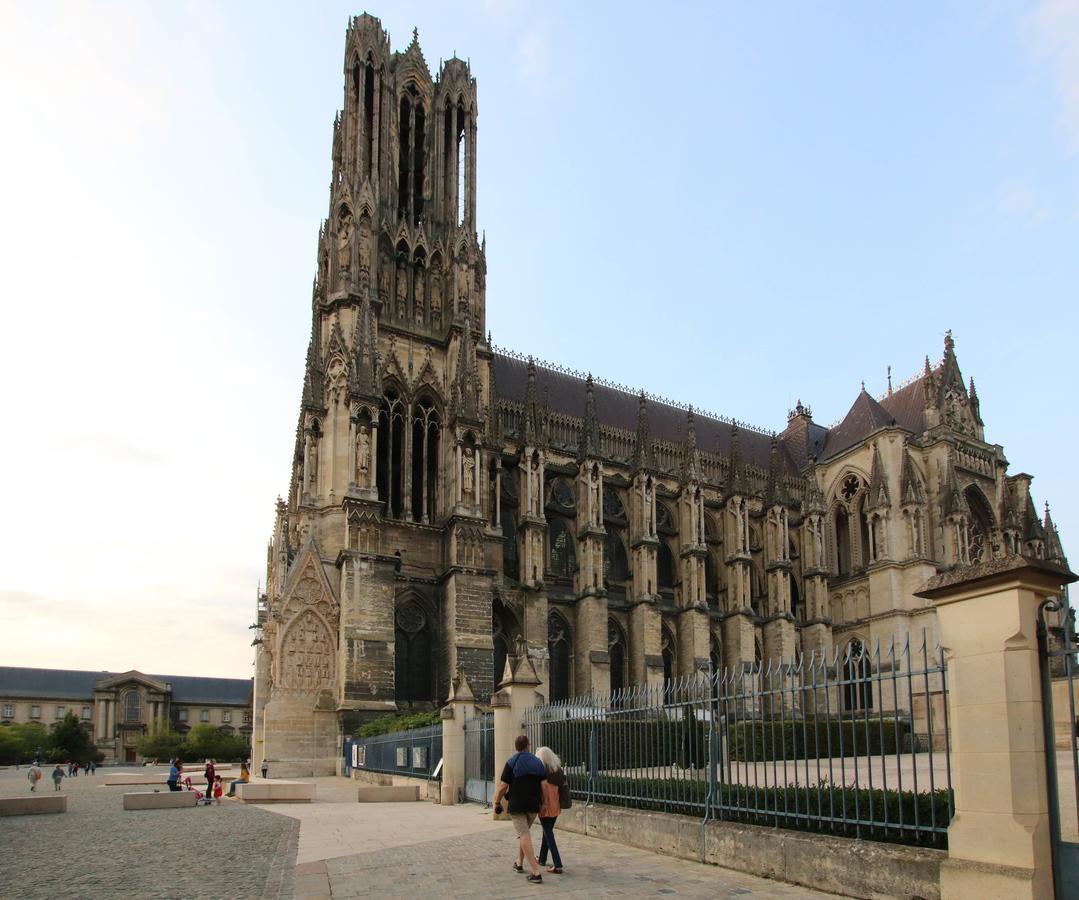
(523, 772)
(174, 774)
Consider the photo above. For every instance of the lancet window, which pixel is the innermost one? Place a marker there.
(391, 454)
(413, 669)
(857, 685)
(411, 138)
(563, 560)
(616, 649)
(426, 433)
(558, 647)
(979, 526)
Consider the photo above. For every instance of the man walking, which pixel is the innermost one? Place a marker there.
(521, 777)
(33, 774)
(265, 768)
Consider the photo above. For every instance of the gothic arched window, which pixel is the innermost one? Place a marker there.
(425, 462)
(615, 561)
(980, 527)
(842, 541)
(412, 658)
(391, 454)
(558, 646)
(511, 567)
(664, 566)
(857, 685)
(715, 653)
(616, 649)
(504, 631)
(563, 559)
(667, 649)
(613, 510)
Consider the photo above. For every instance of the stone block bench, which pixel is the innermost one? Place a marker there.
(160, 800)
(152, 777)
(265, 791)
(389, 793)
(34, 805)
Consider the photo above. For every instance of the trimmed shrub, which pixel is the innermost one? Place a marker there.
(797, 808)
(762, 740)
(390, 724)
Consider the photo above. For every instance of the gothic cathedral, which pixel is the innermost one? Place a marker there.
(450, 501)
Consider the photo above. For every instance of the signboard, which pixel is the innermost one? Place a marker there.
(419, 757)
(402, 757)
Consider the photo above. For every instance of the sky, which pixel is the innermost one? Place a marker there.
(734, 205)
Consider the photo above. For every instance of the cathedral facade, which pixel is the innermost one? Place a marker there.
(450, 501)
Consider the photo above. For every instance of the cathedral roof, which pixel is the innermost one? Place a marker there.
(865, 416)
(615, 408)
(907, 405)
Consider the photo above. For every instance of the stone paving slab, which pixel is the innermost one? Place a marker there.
(98, 851)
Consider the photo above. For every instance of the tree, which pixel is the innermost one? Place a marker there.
(22, 743)
(161, 743)
(70, 740)
(207, 742)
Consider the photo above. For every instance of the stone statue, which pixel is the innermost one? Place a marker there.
(596, 487)
(344, 247)
(384, 278)
(402, 291)
(363, 455)
(462, 285)
(363, 245)
(436, 293)
(468, 479)
(818, 543)
(312, 465)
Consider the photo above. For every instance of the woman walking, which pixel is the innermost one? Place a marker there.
(552, 786)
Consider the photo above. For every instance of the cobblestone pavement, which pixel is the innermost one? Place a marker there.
(422, 850)
(97, 850)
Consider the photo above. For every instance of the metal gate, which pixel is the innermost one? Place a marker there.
(1058, 646)
(480, 758)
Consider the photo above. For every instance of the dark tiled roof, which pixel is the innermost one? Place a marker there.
(866, 415)
(907, 405)
(618, 409)
(71, 685)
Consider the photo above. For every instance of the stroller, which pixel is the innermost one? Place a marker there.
(201, 799)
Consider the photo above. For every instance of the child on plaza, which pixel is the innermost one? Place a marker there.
(218, 790)
(57, 776)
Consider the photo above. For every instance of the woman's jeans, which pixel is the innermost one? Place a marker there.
(232, 786)
(549, 843)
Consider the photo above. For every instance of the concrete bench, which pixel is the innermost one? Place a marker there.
(161, 777)
(265, 791)
(33, 805)
(160, 800)
(389, 793)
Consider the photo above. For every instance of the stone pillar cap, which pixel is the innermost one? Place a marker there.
(1037, 572)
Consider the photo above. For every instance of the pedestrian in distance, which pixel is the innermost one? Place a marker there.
(555, 789)
(74, 770)
(175, 771)
(57, 776)
(265, 769)
(33, 775)
(521, 780)
(209, 772)
(218, 790)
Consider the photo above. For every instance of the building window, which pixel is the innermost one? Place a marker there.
(226, 715)
(9, 711)
(204, 716)
(562, 556)
(61, 711)
(35, 712)
(87, 712)
(412, 654)
(182, 715)
(247, 718)
(558, 646)
(132, 706)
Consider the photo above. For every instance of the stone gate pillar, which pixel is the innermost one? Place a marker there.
(517, 693)
(458, 705)
(998, 842)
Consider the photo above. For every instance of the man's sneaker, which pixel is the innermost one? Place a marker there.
(536, 879)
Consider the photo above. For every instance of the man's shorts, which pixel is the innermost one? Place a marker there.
(522, 822)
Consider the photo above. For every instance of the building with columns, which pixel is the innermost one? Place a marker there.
(118, 708)
(449, 498)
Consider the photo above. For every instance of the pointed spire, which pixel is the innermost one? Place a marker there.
(889, 381)
(691, 454)
(589, 445)
(533, 427)
(813, 501)
(949, 344)
(910, 485)
(738, 482)
(1054, 549)
(952, 500)
(466, 390)
(975, 403)
(777, 489)
(365, 380)
(312, 376)
(878, 496)
(643, 455)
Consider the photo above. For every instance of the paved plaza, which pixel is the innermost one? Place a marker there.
(333, 848)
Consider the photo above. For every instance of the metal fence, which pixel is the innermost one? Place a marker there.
(851, 743)
(416, 752)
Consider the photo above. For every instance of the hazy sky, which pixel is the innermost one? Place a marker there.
(736, 205)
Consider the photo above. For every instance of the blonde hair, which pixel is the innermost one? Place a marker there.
(549, 759)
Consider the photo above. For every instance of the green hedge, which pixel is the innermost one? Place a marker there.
(794, 808)
(390, 724)
(630, 743)
(763, 740)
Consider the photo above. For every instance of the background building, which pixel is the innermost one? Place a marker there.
(449, 500)
(118, 708)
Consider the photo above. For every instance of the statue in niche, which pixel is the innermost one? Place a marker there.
(818, 543)
(436, 293)
(312, 465)
(363, 245)
(384, 278)
(363, 455)
(402, 291)
(468, 480)
(418, 296)
(344, 248)
(648, 506)
(462, 286)
(596, 487)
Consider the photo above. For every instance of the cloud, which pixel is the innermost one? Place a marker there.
(1054, 29)
(1016, 200)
